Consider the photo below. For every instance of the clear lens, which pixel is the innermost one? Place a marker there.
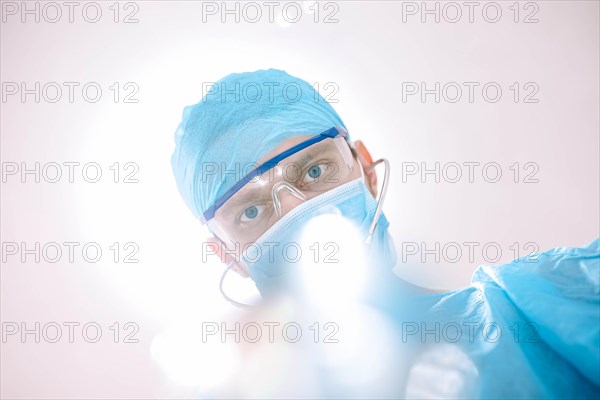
(266, 198)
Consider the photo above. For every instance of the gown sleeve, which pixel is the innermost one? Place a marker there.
(559, 292)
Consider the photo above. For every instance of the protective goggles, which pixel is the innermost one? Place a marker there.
(254, 204)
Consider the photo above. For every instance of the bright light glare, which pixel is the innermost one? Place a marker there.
(363, 354)
(281, 21)
(334, 268)
(443, 372)
(187, 361)
(279, 370)
(308, 7)
(174, 276)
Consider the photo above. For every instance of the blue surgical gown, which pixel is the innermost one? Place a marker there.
(526, 329)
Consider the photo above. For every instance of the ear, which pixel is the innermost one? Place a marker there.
(365, 160)
(218, 247)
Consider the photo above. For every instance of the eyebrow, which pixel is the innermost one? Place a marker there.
(312, 152)
(308, 156)
(250, 193)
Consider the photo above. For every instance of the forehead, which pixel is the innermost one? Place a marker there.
(283, 146)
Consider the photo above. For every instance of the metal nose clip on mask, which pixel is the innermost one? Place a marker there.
(352, 199)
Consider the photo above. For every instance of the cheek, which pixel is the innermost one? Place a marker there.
(356, 171)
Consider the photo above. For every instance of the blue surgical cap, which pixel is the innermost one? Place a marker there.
(241, 118)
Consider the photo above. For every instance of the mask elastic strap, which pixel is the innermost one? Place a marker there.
(381, 197)
(229, 299)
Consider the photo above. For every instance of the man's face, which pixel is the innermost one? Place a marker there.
(300, 177)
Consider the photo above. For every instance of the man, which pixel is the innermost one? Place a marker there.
(263, 156)
(254, 149)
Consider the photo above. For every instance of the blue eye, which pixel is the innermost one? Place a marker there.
(251, 212)
(315, 171)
